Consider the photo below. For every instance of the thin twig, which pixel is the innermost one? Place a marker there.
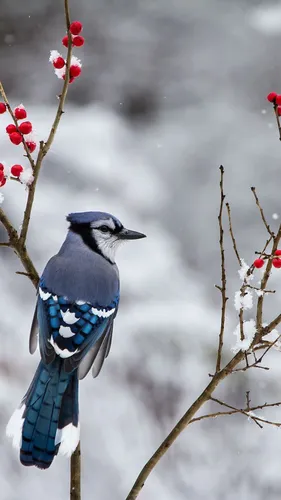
(223, 273)
(275, 107)
(271, 233)
(238, 410)
(21, 273)
(263, 286)
(247, 411)
(258, 289)
(232, 234)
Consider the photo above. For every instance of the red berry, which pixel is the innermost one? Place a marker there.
(1, 167)
(20, 113)
(258, 263)
(74, 71)
(278, 99)
(59, 63)
(2, 108)
(277, 252)
(16, 170)
(271, 96)
(31, 146)
(3, 182)
(78, 41)
(2, 175)
(276, 263)
(65, 41)
(76, 28)
(25, 127)
(15, 138)
(279, 110)
(11, 128)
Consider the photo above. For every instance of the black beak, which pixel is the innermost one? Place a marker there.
(127, 234)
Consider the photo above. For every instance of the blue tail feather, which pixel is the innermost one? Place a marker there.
(51, 403)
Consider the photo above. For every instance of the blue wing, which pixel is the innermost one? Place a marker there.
(78, 332)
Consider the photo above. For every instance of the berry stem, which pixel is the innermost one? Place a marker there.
(275, 107)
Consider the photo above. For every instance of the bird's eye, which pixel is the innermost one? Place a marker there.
(104, 229)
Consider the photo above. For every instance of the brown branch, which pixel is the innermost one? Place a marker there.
(21, 252)
(263, 286)
(246, 411)
(75, 474)
(272, 325)
(222, 288)
(258, 289)
(12, 233)
(277, 119)
(234, 411)
(232, 234)
(253, 189)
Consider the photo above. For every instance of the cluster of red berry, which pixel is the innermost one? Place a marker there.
(59, 62)
(276, 100)
(75, 30)
(276, 262)
(16, 133)
(16, 170)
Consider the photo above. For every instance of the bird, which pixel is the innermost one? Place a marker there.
(77, 303)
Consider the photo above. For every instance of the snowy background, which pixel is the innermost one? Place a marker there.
(170, 90)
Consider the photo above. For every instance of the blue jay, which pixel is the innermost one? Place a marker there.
(78, 297)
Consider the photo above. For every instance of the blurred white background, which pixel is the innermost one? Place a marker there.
(169, 91)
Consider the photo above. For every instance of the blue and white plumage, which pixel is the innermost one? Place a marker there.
(77, 303)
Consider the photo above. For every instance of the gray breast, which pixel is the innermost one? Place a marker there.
(81, 274)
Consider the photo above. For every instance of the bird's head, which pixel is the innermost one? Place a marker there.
(102, 232)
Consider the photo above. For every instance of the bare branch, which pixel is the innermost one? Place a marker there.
(275, 107)
(244, 411)
(263, 286)
(247, 411)
(75, 474)
(12, 233)
(222, 288)
(232, 234)
(253, 189)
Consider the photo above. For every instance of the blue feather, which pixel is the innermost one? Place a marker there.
(46, 406)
